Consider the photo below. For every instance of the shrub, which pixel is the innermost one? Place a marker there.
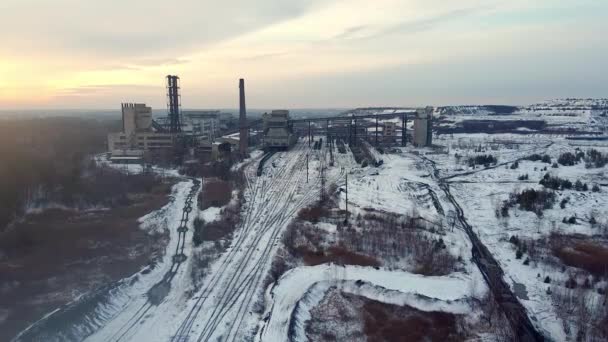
(532, 200)
(215, 193)
(312, 213)
(514, 166)
(555, 166)
(563, 202)
(527, 261)
(571, 283)
(596, 159)
(567, 159)
(555, 183)
(595, 188)
(518, 254)
(547, 280)
(482, 160)
(580, 186)
(523, 177)
(536, 157)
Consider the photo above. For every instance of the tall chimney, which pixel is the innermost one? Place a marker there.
(243, 136)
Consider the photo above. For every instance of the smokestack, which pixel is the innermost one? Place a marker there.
(243, 136)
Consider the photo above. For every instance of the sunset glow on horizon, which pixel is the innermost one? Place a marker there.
(302, 54)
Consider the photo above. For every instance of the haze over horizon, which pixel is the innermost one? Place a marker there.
(71, 54)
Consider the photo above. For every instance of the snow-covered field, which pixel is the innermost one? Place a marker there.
(160, 303)
(481, 191)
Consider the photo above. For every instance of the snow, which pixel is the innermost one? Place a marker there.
(210, 214)
(480, 191)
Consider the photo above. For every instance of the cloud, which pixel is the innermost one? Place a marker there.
(115, 28)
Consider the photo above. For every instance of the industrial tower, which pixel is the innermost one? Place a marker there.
(173, 105)
(243, 136)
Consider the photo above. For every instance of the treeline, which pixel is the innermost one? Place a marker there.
(45, 157)
(592, 158)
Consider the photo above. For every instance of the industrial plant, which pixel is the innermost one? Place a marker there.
(209, 135)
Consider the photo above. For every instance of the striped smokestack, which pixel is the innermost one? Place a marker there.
(243, 138)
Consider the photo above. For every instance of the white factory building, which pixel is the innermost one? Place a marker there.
(137, 135)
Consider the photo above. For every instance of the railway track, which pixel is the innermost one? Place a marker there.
(154, 295)
(514, 311)
(273, 201)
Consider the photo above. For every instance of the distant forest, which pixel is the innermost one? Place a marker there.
(45, 157)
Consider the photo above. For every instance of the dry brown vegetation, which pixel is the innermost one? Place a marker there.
(215, 193)
(581, 253)
(336, 254)
(342, 316)
(212, 238)
(374, 239)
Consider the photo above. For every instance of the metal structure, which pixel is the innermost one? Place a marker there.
(243, 129)
(173, 104)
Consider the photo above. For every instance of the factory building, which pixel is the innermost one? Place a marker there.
(137, 136)
(204, 124)
(277, 130)
(423, 127)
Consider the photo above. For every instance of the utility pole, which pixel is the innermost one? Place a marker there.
(307, 166)
(309, 135)
(376, 130)
(403, 125)
(346, 177)
(322, 183)
(355, 140)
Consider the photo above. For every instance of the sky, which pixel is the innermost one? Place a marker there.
(76, 54)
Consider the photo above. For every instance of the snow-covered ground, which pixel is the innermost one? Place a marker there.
(481, 191)
(161, 304)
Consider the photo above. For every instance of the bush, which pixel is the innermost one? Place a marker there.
(571, 283)
(312, 213)
(518, 254)
(555, 183)
(595, 188)
(532, 200)
(596, 159)
(580, 186)
(569, 159)
(547, 280)
(514, 166)
(482, 160)
(536, 157)
(215, 193)
(523, 177)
